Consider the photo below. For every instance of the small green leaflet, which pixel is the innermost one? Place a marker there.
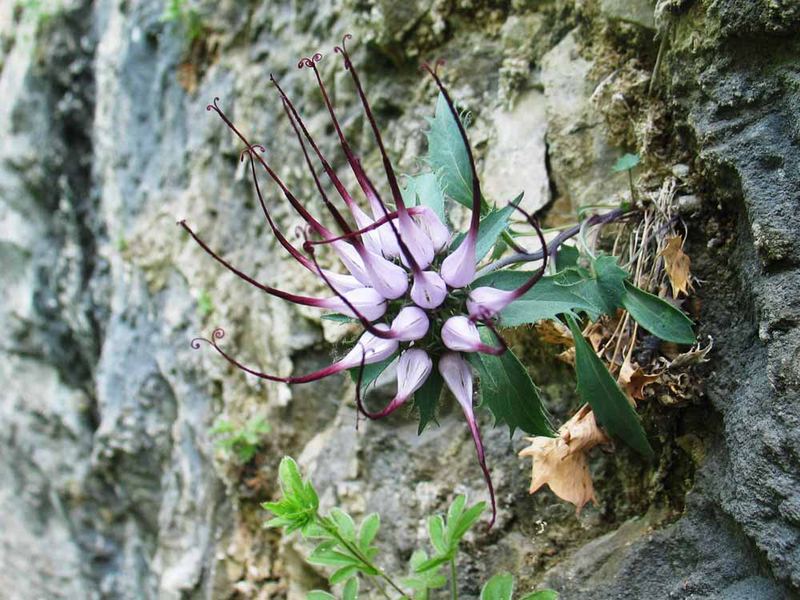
(508, 392)
(541, 595)
(448, 156)
(426, 399)
(338, 318)
(499, 587)
(424, 190)
(420, 583)
(490, 228)
(658, 316)
(596, 387)
(626, 162)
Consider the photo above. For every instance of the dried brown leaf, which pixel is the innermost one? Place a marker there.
(677, 264)
(554, 332)
(560, 462)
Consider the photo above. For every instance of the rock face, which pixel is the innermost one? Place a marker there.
(111, 487)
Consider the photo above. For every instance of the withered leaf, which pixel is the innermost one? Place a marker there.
(554, 332)
(677, 264)
(560, 462)
(632, 379)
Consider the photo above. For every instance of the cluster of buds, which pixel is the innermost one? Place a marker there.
(408, 280)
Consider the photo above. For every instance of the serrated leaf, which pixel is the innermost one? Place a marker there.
(610, 281)
(565, 293)
(319, 595)
(658, 316)
(343, 574)
(447, 155)
(424, 190)
(507, 391)
(499, 587)
(626, 162)
(426, 398)
(611, 407)
(566, 257)
(436, 531)
(541, 595)
(371, 372)
(350, 591)
(368, 530)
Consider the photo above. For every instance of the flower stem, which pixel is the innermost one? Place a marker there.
(453, 581)
(363, 558)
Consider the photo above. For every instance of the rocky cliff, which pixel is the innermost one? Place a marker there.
(110, 484)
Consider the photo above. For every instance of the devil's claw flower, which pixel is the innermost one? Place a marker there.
(404, 283)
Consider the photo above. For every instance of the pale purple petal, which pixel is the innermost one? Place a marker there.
(390, 279)
(461, 334)
(410, 324)
(433, 227)
(428, 290)
(458, 269)
(485, 302)
(372, 349)
(419, 245)
(366, 301)
(413, 369)
(457, 375)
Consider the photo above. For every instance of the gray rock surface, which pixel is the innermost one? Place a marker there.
(110, 485)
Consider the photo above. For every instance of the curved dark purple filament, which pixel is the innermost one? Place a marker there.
(219, 333)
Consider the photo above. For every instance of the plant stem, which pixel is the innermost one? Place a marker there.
(358, 554)
(453, 581)
(608, 217)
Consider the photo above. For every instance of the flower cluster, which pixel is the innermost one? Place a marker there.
(408, 280)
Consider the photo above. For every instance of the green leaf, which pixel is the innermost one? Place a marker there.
(424, 190)
(371, 372)
(338, 318)
(420, 583)
(626, 162)
(447, 155)
(343, 574)
(368, 530)
(350, 591)
(426, 398)
(564, 293)
(436, 532)
(610, 281)
(432, 563)
(489, 230)
(507, 391)
(566, 257)
(332, 558)
(467, 520)
(319, 595)
(541, 595)
(611, 408)
(499, 587)
(344, 524)
(658, 316)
